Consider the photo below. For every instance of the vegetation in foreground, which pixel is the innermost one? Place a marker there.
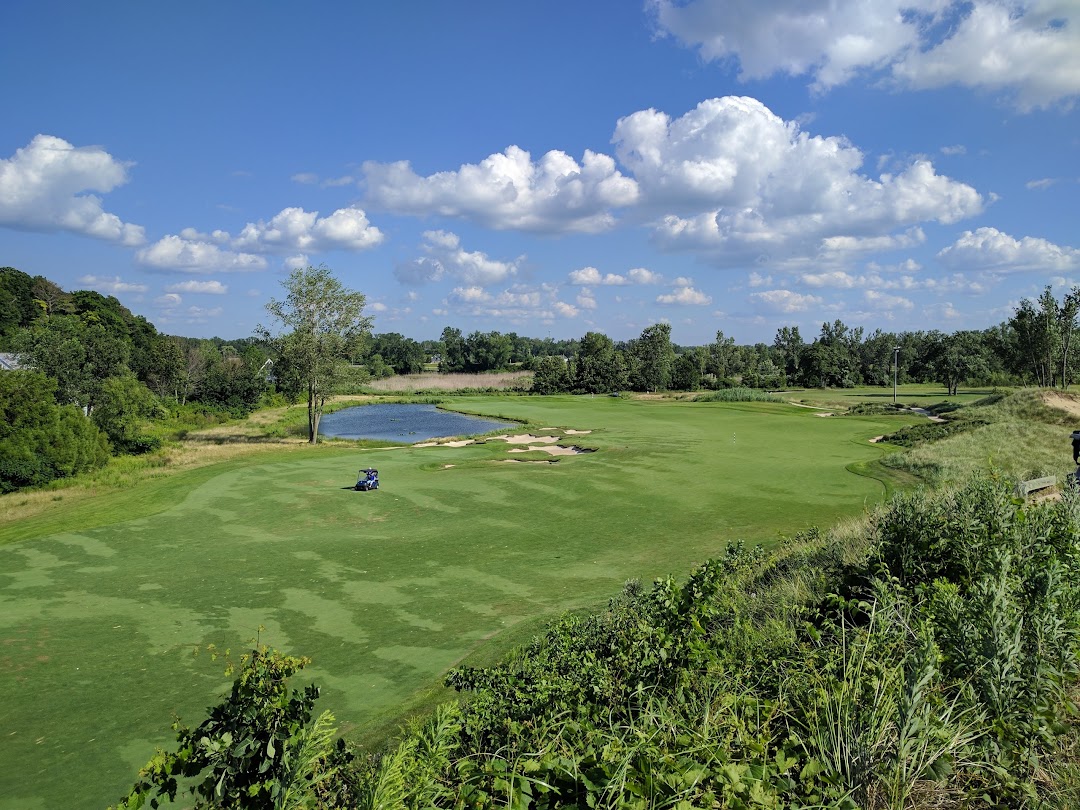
(926, 657)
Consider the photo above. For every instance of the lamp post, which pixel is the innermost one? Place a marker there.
(895, 364)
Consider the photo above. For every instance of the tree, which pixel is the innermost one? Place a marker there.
(167, 372)
(551, 376)
(233, 380)
(686, 372)
(957, 357)
(40, 440)
(722, 360)
(324, 320)
(832, 360)
(789, 344)
(124, 405)
(488, 351)
(403, 355)
(77, 353)
(651, 357)
(453, 351)
(599, 369)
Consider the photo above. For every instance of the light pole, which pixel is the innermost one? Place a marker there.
(895, 364)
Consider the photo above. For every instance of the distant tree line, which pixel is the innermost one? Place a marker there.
(94, 373)
(1033, 347)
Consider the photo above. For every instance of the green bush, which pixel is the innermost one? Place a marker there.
(40, 440)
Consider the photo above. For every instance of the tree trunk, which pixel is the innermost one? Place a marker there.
(312, 415)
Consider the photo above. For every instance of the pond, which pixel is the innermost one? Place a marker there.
(404, 423)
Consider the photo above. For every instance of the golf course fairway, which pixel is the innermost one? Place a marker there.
(461, 547)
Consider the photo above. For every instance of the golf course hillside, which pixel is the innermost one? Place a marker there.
(464, 552)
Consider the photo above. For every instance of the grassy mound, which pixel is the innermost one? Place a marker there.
(1018, 434)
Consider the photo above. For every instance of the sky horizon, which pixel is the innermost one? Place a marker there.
(549, 169)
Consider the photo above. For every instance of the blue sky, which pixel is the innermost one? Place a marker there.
(549, 168)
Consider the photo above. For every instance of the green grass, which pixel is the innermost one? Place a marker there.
(102, 602)
(920, 395)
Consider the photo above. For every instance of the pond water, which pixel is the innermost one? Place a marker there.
(404, 423)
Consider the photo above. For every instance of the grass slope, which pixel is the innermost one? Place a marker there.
(386, 590)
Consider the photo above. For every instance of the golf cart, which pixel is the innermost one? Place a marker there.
(367, 480)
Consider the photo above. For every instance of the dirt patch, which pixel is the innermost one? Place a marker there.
(1062, 402)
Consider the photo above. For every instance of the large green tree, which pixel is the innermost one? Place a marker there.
(124, 405)
(40, 440)
(599, 369)
(78, 352)
(404, 355)
(317, 326)
(651, 357)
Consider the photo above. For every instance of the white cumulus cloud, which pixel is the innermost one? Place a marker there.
(1028, 48)
(446, 257)
(296, 229)
(685, 295)
(197, 256)
(509, 190)
(44, 185)
(204, 287)
(517, 304)
(990, 249)
(883, 301)
(585, 299)
(785, 301)
(741, 184)
(291, 234)
(113, 286)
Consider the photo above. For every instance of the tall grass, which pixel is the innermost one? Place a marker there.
(414, 383)
(1019, 435)
(737, 395)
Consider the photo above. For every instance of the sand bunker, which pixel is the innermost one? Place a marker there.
(530, 441)
(1062, 402)
(876, 439)
(551, 451)
(572, 432)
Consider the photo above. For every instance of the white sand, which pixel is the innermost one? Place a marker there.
(551, 451)
(527, 438)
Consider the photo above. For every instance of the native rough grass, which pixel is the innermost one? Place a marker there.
(407, 383)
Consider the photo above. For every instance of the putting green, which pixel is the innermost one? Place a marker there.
(384, 590)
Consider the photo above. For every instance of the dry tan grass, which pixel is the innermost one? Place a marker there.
(451, 382)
